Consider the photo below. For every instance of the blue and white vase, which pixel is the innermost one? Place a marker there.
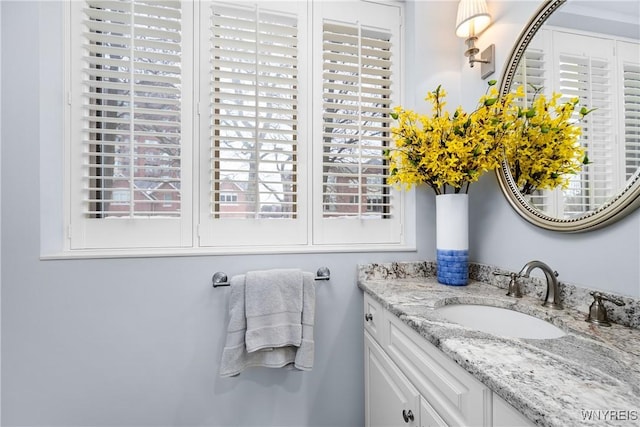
(452, 238)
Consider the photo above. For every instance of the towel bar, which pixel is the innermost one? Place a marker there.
(220, 278)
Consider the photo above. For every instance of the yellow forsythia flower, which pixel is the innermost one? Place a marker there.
(446, 150)
(543, 150)
(450, 151)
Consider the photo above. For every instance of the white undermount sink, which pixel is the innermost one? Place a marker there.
(499, 321)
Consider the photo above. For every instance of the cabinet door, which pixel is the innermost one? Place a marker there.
(428, 416)
(457, 397)
(390, 399)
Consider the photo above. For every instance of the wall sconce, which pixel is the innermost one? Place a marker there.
(473, 18)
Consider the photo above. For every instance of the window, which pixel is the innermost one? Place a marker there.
(227, 198)
(232, 124)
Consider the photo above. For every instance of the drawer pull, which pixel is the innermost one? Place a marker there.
(407, 415)
(368, 317)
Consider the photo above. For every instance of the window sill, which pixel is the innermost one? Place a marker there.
(190, 252)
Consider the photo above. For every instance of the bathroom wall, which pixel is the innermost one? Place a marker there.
(137, 341)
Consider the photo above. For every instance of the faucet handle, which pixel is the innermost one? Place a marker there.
(514, 286)
(616, 301)
(597, 310)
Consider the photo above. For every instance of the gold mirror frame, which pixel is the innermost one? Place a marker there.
(623, 203)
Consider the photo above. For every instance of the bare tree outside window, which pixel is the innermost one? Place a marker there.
(357, 71)
(254, 97)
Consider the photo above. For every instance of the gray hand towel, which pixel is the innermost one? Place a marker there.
(234, 355)
(273, 300)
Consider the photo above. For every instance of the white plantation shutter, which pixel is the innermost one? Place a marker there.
(631, 92)
(358, 74)
(133, 121)
(255, 93)
(356, 121)
(629, 63)
(589, 75)
(254, 90)
(130, 111)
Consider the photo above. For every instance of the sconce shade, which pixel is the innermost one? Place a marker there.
(473, 17)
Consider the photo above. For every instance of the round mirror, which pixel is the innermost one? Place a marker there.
(590, 51)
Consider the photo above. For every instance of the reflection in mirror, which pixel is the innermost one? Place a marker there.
(590, 51)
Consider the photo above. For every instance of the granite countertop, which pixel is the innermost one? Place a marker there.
(550, 381)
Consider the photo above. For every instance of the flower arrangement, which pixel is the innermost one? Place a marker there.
(447, 151)
(543, 151)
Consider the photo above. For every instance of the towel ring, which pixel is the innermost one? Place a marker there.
(220, 279)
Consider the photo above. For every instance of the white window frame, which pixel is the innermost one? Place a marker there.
(195, 235)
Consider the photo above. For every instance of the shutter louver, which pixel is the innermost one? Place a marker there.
(356, 121)
(132, 127)
(254, 96)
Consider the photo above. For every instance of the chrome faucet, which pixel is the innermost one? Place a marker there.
(552, 299)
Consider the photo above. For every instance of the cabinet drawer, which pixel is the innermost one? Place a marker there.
(373, 318)
(453, 393)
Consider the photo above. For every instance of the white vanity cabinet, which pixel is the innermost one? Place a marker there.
(404, 372)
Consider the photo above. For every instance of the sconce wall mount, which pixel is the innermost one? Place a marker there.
(473, 18)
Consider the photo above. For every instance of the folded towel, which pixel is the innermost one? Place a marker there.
(235, 357)
(273, 301)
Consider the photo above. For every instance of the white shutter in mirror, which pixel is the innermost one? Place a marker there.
(591, 72)
(629, 63)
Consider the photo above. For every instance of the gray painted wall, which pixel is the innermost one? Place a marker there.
(137, 341)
